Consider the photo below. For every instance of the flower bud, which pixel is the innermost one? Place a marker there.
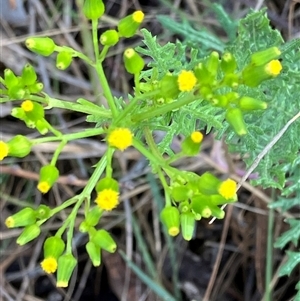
(109, 38)
(84, 227)
(42, 126)
(199, 205)
(43, 212)
(104, 240)
(93, 216)
(184, 206)
(220, 101)
(29, 233)
(231, 80)
(93, 9)
(208, 184)
(235, 118)
(168, 86)
(19, 146)
(187, 221)
(170, 217)
(66, 266)
(4, 149)
(133, 62)
(28, 76)
(217, 212)
(107, 183)
(94, 252)
(212, 63)
(10, 79)
(43, 46)
(191, 144)
(53, 247)
(63, 60)
(24, 217)
(264, 56)
(17, 92)
(48, 176)
(228, 63)
(247, 103)
(129, 25)
(180, 193)
(36, 88)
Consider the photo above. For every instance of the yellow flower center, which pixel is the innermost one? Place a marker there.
(9, 222)
(120, 138)
(186, 81)
(3, 150)
(43, 187)
(273, 68)
(196, 137)
(138, 16)
(27, 105)
(227, 189)
(49, 265)
(173, 231)
(107, 199)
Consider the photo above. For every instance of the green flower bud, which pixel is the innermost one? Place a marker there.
(212, 63)
(203, 76)
(168, 86)
(220, 101)
(29, 233)
(208, 184)
(217, 212)
(109, 38)
(84, 227)
(191, 144)
(93, 9)
(48, 176)
(235, 118)
(187, 221)
(170, 217)
(184, 207)
(94, 253)
(24, 217)
(133, 62)
(228, 63)
(10, 79)
(33, 110)
(63, 60)
(43, 212)
(43, 46)
(129, 25)
(28, 76)
(206, 92)
(42, 126)
(217, 200)
(19, 146)
(53, 247)
(104, 240)
(247, 103)
(231, 80)
(36, 88)
(66, 266)
(107, 183)
(93, 216)
(180, 193)
(17, 92)
(264, 56)
(200, 205)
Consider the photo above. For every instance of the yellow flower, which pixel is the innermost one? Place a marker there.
(43, 187)
(120, 138)
(3, 150)
(49, 265)
(138, 16)
(273, 68)
(27, 105)
(186, 81)
(196, 137)
(107, 199)
(227, 189)
(9, 222)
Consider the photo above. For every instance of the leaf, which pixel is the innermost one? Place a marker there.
(291, 235)
(293, 260)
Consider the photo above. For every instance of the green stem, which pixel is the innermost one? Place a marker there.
(164, 109)
(68, 105)
(53, 130)
(103, 53)
(58, 151)
(69, 137)
(269, 253)
(165, 186)
(95, 39)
